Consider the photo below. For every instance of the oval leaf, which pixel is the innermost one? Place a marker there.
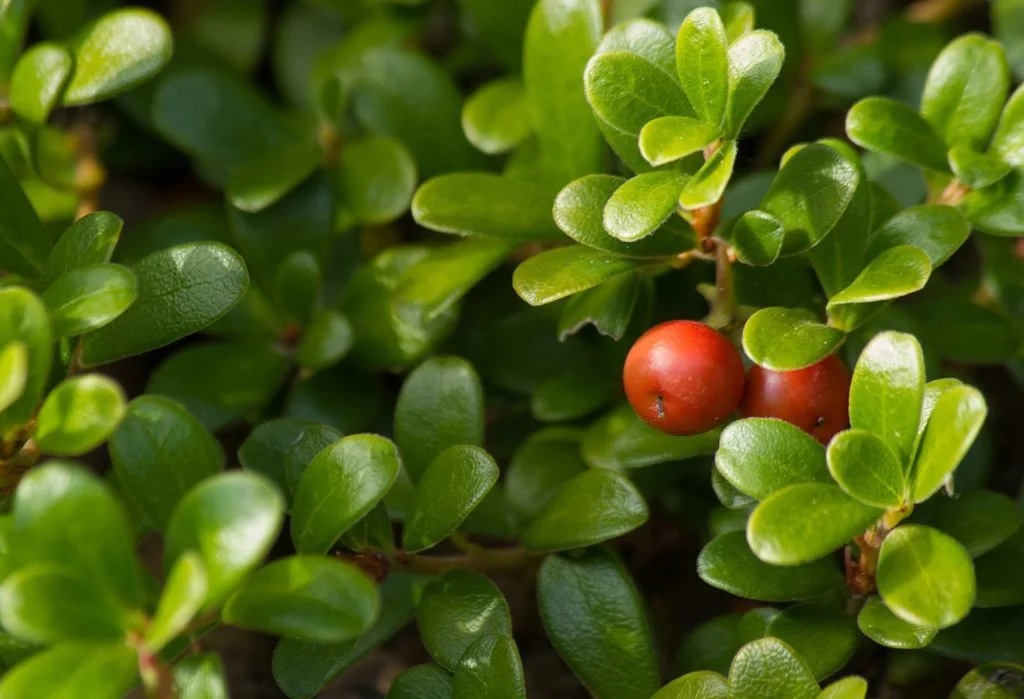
(866, 468)
(952, 427)
(88, 298)
(79, 415)
(786, 339)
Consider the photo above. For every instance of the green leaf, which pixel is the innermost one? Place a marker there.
(641, 205)
(159, 453)
(976, 170)
(966, 90)
(594, 506)
(265, 179)
(555, 274)
(376, 179)
(496, 118)
(115, 53)
(695, 685)
(702, 63)
(952, 427)
(339, 487)
(181, 290)
(711, 645)
(757, 238)
(540, 467)
(786, 339)
(885, 628)
(182, 597)
(993, 681)
(925, 577)
(486, 205)
(23, 319)
(13, 372)
(999, 209)
(38, 79)
(608, 307)
(596, 620)
(886, 126)
(866, 468)
(886, 392)
(852, 687)
(231, 520)
(46, 604)
(457, 608)
(987, 635)
(667, 139)
(422, 682)
(577, 392)
(97, 671)
(823, 637)
(490, 669)
(755, 60)
(769, 669)
(267, 446)
(310, 598)
(79, 415)
(707, 186)
(448, 491)
(759, 456)
(980, 520)
(441, 404)
(1008, 140)
(810, 194)
(200, 677)
(896, 272)
(298, 285)
(326, 340)
(88, 298)
(88, 241)
(64, 515)
(561, 36)
(579, 212)
(728, 564)
(24, 246)
(827, 519)
(938, 230)
(622, 440)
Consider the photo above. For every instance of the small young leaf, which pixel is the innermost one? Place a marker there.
(596, 620)
(13, 372)
(555, 274)
(376, 179)
(667, 139)
(326, 340)
(695, 685)
(490, 669)
(896, 272)
(23, 319)
(702, 63)
(980, 520)
(182, 597)
(641, 205)
(309, 598)
(707, 186)
(37, 81)
(925, 577)
(827, 518)
(1008, 140)
(755, 60)
(990, 681)
(88, 241)
(769, 669)
(94, 670)
(594, 506)
(457, 608)
(852, 687)
(757, 238)
(886, 126)
(265, 179)
(762, 455)
(976, 170)
(786, 339)
(200, 677)
(496, 118)
(824, 638)
(866, 468)
(885, 628)
(24, 246)
(938, 230)
(622, 440)
(88, 298)
(448, 491)
(79, 415)
(952, 427)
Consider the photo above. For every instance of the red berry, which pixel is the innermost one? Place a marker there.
(683, 377)
(816, 399)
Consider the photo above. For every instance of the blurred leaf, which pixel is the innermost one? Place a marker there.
(574, 394)
(182, 597)
(38, 79)
(885, 628)
(999, 209)
(98, 671)
(787, 675)
(555, 274)
(266, 448)
(24, 246)
(980, 520)
(952, 427)
(326, 341)
(1008, 140)
(88, 241)
(79, 415)
(23, 318)
(375, 180)
(755, 60)
(200, 677)
(886, 126)
(695, 685)
(498, 27)
(990, 682)
(298, 285)
(263, 180)
(496, 118)
(540, 467)
(13, 372)
(88, 298)
(458, 608)
(974, 169)
(760, 456)
(958, 330)
(490, 669)
(986, 635)
(852, 687)
(422, 682)
(785, 339)
(622, 440)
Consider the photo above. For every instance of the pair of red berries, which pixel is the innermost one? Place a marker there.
(684, 378)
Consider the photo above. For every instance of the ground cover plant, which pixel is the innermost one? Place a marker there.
(427, 349)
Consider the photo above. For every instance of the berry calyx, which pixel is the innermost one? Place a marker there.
(816, 398)
(684, 378)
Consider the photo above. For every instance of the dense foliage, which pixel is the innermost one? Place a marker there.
(411, 243)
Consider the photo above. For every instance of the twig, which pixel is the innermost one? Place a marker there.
(480, 560)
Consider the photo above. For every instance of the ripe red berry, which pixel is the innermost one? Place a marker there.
(683, 377)
(816, 399)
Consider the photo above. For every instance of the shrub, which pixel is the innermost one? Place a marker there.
(835, 195)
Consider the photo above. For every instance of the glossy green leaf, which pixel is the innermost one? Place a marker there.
(896, 272)
(326, 340)
(231, 520)
(828, 519)
(98, 671)
(23, 318)
(79, 415)
(925, 577)
(441, 404)
(200, 677)
(757, 238)
(555, 274)
(376, 179)
(422, 682)
(87, 298)
(496, 118)
(267, 446)
(641, 205)
(24, 246)
(181, 290)
(38, 78)
(117, 52)
(886, 126)
(88, 241)
(339, 487)
(305, 597)
(1008, 140)
(755, 60)
(695, 685)
(851, 687)
(608, 307)
(810, 194)
(708, 184)
(540, 467)
(448, 491)
(952, 427)
(728, 564)
(159, 453)
(182, 598)
(965, 90)
(490, 669)
(622, 440)
(593, 507)
(13, 372)
(486, 205)
(980, 520)
(759, 456)
(769, 669)
(991, 681)
(976, 170)
(999, 209)
(595, 618)
(823, 637)
(262, 181)
(786, 339)
(938, 230)
(885, 628)
(666, 139)
(866, 468)
(702, 63)
(839, 257)
(457, 608)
